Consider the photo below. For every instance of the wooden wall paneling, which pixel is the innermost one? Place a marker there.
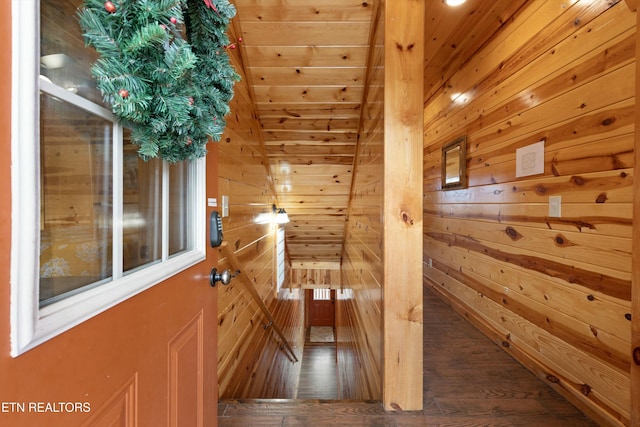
(614, 187)
(359, 306)
(480, 23)
(495, 82)
(610, 381)
(250, 361)
(564, 385)
(599, 313)
(315, 278)
(495, 253)
(635, 234)
(612, 253)
(603, 219)
(587, 332)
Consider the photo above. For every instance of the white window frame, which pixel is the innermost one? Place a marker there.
(31, 324)
(280, 257)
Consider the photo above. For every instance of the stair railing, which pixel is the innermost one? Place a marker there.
(240, 274)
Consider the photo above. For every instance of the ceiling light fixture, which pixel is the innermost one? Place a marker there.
(280, 215)
(454, 2)
(459, 98)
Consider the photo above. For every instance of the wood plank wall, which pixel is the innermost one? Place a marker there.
(308, 278)
(359, 311)
(554, 292)
(251, 362)
(635, 258)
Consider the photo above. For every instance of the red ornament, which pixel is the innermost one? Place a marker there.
(190, 101)
(123, 93)
(173, 20)
(109, 7)
(239, 39)
(164, 27)
(189, 142)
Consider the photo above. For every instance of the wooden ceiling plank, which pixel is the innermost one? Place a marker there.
(316, 110)
(319, 137)
(313, 123)
(308, 94)
(307, 56)
(290, 33)
(307, 76)
(318, 10)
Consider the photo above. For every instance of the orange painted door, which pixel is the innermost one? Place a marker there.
(148, 361)
(321, 307)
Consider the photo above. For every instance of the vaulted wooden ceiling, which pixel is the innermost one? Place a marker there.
(306, 62)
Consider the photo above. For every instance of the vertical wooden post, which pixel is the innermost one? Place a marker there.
(403, 164)
(635, 259)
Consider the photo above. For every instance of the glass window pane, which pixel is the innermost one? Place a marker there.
(64, 58)
(321, 294)
(180, 216)
(142, 222)
(76, 211)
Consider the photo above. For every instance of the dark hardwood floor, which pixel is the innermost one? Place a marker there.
(468, 381)
(318, 373)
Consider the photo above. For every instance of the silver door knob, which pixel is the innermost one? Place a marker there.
(224, 277)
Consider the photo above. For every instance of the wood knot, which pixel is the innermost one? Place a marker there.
(608, 121)
(591, 298)
(553, 379)
(585, 389)
(636, 356)
(406, 218)
(562, 241)
(540, 189)
(513, 233)
(577, 180)
(506, 344)
(602, 198)
(628, 316)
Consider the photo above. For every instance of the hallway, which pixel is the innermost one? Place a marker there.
(318, 373)
(468, 381)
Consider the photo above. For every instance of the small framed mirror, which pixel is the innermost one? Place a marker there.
(454, 164)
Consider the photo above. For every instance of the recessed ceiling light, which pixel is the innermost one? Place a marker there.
(454, 2)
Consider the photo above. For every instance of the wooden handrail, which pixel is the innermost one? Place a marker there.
(240, 274)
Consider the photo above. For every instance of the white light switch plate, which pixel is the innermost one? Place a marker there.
(225, 206)
(555, 206)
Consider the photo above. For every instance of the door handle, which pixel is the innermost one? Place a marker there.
(224, 277)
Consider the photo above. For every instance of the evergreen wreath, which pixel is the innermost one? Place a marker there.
(164, 70)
